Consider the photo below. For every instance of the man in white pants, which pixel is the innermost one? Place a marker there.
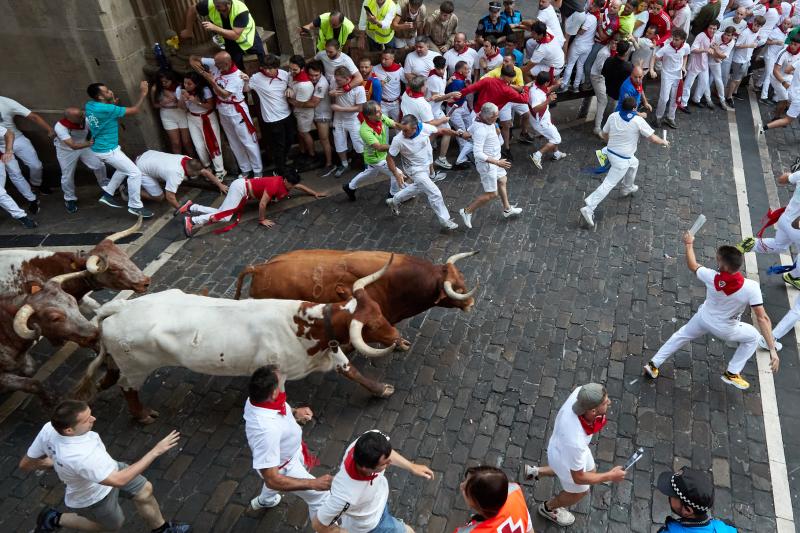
(346, 104)
(728, 293)
(102, 117)
(6, 202)
(673, 56)
(622, 131)
(374, 133)
(697, 69)
(541, 95)
(73, 144)
(276, 441)
(486, 148)
(23, 149)
(229, 85)
(414, 146)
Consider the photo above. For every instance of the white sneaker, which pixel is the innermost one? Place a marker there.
(448, 224)
(559, 156)
(512, 211)
(763, 344)
(393, 206)
(443, 162)
(588, 215)
(628, 192)
(530, 472)
(537, 161)
(257, 504)
(438, 176)
(466, 217)
(560, 516)
(760, 129)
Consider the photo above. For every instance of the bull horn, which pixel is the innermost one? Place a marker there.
(21, 323)
(96, 265)
(363, 282)
(453, 258)
(124, 233)
(448, 289)
(72, 275)
(358, 341)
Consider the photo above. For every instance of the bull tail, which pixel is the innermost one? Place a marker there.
(248, 270)
(87, 387)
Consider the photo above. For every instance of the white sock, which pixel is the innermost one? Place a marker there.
(538, 154)
(557, 153)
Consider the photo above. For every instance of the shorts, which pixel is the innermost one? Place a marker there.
(173, 119)
(781, 94)
(490, 175)
(107, 512)
(305, 120)
(323, 119)
(389, 524)
(574, 21)
(565, 475)
(738, 71)
(508, 111)
(547, 130)
(794, 108)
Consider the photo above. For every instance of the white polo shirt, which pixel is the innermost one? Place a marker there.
(568, 448)
(390, 82)
(8, 110)
(469, 55)
(486, 141)
(491, 64)
(546, 56)
(671, 59)
(359, 503)
(354, 96)
(416, 152)
(272, 95)
(273, 438)
(163, 166)
(549, 17)
(419, 66)
(63, 134)
(342, 60)
(323, 109)
(724, 310)
(193, 107)
(623, 137)
(81, 463)
(419, 107)
(232, 83)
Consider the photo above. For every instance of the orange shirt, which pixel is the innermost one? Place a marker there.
(512, 518)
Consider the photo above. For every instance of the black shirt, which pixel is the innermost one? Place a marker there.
(616, 71)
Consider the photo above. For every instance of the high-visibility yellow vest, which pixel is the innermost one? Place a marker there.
(248, 36)
(375, 31)
(326, 31)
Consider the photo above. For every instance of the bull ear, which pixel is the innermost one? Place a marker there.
(442, 294)
(35, 288)
(343, 292)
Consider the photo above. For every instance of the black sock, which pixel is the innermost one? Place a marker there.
(161, 529)
(57, 519)
(765, 127)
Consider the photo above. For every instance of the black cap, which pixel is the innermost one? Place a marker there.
(693, 487)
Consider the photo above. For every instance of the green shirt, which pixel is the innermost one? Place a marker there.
(368, 135)
(626, 23)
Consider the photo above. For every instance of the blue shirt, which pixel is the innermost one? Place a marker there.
(518, 57)
(374, 89)
(516, 18)
(708, 526)
(102, 121)
(486, 27)
(627, 89)
(457, 85)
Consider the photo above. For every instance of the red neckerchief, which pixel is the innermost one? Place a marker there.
(434, 72)
(639, 88)
(673, 46)
(394, 67)
(279, 404)
(346, 87)
(709, 35)
(544, 40)
(414, 94)
(183, 164)
(789, 49)
(750, 27)
(459, 76)
(490, 57)
(464, 50)
(728, 283)
(779, 9)
(263, 71)
(231, 70)
(352, 470)
(613, 53)
(67, 123)
(377, 127)
(595, 426)
(302, 76)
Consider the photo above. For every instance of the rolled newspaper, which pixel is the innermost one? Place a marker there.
(697, 225)
(664, 134)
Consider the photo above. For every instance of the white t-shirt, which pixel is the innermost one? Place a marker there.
(342, 60)
(536, 96)
(272, 95)
(323, 109)
(623, 137)
(360, 504)
(491, 64)
(63, 133)
(81, 463)
(743, 55)
(486, 141)
(273, 438)
(784, 60)
(642, 17)
(355, 96)
(719, 308)
(698, 61)
(548, 55)
(740, 26)
(469, 55)
(162, 166)
(644, 52)
(599, 61)
(794, 89)
(682, 19)
(390, 82)
(419, 107)
(8, 110)
(585, 40)
(722, 47)
(774, 49)
(3, 131)
(671, 59)
(436, 86)
(568, 448)
(419, 66)
(549, 17)
(232, 83)
(416, 152)
(192, 107)
(772, 18)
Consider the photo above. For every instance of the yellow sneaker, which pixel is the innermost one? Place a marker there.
(789, 280)
(736, 380)
(651, 370)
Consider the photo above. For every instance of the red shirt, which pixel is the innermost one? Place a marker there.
(496, 91)
(273, 185)
(663, 26)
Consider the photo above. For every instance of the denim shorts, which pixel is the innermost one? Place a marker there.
(389, 524)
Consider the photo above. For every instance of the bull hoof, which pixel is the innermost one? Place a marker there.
(386, 391)
(404, 346)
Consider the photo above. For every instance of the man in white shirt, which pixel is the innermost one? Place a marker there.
(301, 90)
(72, 145)
(270, 84)
(414, 146)
(346, 106)
(391, 75)
(275, 438)
(697, 68)
(461, 51)
(93, 479)
(682, 15)
(548, 54)
(420, 61)
(541, 95)
(569, 456)
(7, 160)
(547, 15)
(622, 131)
(775, 45)
(23, 149)
(486, 144)
(332, 58)
(581, 46)
(793, 88)
(673, 56)
(488, 58)
(359, 494)
(320, 101)
(746, 42)
(721, 48)
(728, 294)
(229, 85)
(783, 73)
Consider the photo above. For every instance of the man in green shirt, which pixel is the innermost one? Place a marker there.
(627, 17)
(374, 132)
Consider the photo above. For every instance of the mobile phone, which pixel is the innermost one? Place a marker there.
(368, 10)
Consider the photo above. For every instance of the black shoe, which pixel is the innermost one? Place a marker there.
(693, 103)
(44, 189)
(730, 102)
(33, 207)
(707, 105)
(738, 96)
(461, 166)
(71, 205)
(47, 520)
(766, 101)
(671, 123)
(351, 194)
(685, 109)
(505, 153)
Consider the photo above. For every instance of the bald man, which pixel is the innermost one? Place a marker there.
(229, 85)
(632, 86)
(72, 142)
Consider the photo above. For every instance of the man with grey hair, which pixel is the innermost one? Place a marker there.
(414, 146)
(568, 453)
(374, 132)
(486, 143)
